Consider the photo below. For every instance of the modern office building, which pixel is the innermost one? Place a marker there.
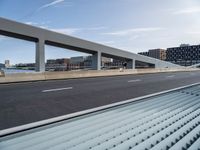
(83, 61)
(155, 53)
(25, 66)
(80, 59)
(185, 55)
(61, 64)
(2, 65)
(77, 59)
(58, 61)
(158, 53)
(73, 63)
(106, 62)
(144, 53)
(63, 61)
(51, 61)
(7, 63)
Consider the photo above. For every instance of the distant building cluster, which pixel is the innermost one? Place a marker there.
(5, 65)
(66, 64)
(155, 53)
(74, 63)
(108, 63)
(184, 55)
(27, 66)
(2, 65)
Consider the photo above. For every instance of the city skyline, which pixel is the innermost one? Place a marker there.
(147, 25)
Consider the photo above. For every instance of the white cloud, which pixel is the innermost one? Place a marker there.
(71, 31)
(2, 38)
(134, 37)
(108, 42)
(31, 23)
(187, 11)
(44, 27)
(65, 4)
(96, 28)
(134, 30)
(68, 31)
(40, 25)
(55, 2)
(193, 32)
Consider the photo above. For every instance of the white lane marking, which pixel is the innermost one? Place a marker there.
(58, 89)
(137, 80)
(170, 76)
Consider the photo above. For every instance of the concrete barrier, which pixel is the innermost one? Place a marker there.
(21, 77)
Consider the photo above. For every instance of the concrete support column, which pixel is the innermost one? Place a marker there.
(157, 66)
(131, 64)
(40, 56)
(96, 61)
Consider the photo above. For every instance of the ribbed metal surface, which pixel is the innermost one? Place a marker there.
(169, 121)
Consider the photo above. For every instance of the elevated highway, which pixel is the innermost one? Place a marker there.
(43, 36)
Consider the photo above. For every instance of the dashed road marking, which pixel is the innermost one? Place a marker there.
(137, 80)
(171, 76)
(58, 89)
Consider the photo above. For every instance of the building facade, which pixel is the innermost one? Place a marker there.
(185, 55)
(25, 66)
(58, 61)
(83, 61)
(144, 53)
(7, 63)
(73, 63)
(158, 53)
(2, 65)
(155, 53)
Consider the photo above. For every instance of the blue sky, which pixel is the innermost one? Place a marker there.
(132, 25)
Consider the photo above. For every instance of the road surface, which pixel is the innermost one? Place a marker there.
(22, 103)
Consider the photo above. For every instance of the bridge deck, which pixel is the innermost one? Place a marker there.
(43, 36)
(167, 121)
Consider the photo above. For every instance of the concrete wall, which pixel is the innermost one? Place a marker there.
(81, 74)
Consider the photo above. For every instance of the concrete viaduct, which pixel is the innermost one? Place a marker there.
(42, 36)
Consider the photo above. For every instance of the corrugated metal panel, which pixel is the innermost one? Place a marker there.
(168, 121)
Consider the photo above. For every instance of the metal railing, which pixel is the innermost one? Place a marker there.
(165, 120)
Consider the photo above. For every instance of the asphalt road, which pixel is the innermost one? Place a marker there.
(22, 103)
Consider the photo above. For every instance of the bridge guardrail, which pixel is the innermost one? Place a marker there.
(21, 77)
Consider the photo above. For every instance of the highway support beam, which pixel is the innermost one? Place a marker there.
(133, 64)
(40, 56)
(96, 61)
